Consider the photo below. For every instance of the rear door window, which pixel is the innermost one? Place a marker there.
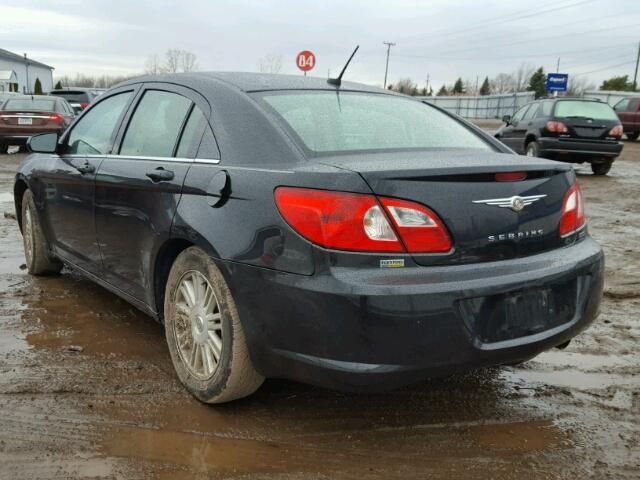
(156, 124)
(533, 109)
(94, 131)
(520, 114)
(192, 134)
(622, 105)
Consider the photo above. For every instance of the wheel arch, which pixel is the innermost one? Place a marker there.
(531, 137)
(19, 188)
(167, 253)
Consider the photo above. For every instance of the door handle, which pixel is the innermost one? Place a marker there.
(86, 168)
(160, 174)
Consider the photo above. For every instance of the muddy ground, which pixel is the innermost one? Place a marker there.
(116, 410)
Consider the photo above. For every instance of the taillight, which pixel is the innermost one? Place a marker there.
(510, 176)
(616, 131)
(556, 127)
(59, 119)
(361, 222)
(84, 105)
(420, 229)
(340, 220)
(573, 217)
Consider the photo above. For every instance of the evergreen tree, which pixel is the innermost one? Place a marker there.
(485, 89)
(537, 83)
(458, 87)
(443, 91)
(58, 85)
(37, 87)
(621, 83)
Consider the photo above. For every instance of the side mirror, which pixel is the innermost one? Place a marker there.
(43, 143)
(506, 119)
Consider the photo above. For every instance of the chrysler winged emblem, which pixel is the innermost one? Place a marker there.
(515, 203)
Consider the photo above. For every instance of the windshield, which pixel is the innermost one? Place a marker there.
(331, 122)
(45, 105)
(594, 110)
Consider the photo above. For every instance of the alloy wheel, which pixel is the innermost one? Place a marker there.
(198, 325)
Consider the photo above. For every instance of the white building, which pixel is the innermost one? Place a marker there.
(19, 74)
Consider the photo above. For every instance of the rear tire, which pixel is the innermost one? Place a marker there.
(533, 149)
(633, 136)
(601, 168)
(36, 247)
(3, 148)
(203, 330)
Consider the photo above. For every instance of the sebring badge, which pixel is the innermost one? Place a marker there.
(515, 203)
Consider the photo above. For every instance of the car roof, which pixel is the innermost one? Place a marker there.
(257, 82)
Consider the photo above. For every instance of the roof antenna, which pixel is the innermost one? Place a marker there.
(338, 81)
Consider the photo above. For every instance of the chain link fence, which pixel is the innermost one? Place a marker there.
(610, 96)
(484, 106)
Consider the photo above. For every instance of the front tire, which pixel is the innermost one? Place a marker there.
(203, 330)
(533, 149)
(601, 168)
(36, 249)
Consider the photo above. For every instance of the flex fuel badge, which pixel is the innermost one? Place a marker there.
(392, 263)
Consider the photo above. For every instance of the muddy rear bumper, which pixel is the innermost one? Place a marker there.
(365, 330)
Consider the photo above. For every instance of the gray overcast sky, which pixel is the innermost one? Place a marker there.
(442, 38)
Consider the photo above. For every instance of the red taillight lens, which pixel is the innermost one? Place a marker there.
(616, 131)
(361, 222)
(84, 105)
(557, 127)
(420, 229)
(573, 217)
(56, 118)
(340, 220)
(510, 176)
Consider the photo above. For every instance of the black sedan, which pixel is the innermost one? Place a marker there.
(283, 226)
(574, 130)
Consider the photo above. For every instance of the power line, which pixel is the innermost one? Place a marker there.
(604, 68)
(516, 16)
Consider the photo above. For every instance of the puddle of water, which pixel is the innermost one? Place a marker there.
(585, 360)
(571, 379)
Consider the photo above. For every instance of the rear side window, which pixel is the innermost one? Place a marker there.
(36, 104)
(332, 122)
(93, 132)
(584, 109)
(156, 124)
(533, 109)
(520, 114)
(192, 133)
(73, 97)
(545, 109)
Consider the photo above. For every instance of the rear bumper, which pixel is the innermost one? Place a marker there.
(579, 148)
(367, 330)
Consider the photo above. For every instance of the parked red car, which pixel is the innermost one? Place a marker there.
(24, 116)
(628, 111)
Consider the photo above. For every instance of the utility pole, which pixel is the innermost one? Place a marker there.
(386, 68)
(427, 88)
(558, 66)
(27, 69)
(477, 91)
(635, 75)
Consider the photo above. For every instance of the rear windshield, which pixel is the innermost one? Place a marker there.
(38, 104)
(331, 122)
(73, 97)
(594, 110)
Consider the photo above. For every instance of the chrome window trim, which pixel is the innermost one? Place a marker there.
(210, 161)
(26, 115)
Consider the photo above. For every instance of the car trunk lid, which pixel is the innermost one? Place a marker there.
(589, 128)
(461, 188)
(27, 118)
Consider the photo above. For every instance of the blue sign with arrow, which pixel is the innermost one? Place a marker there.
(557, 82)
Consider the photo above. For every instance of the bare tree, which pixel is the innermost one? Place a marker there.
(578, 85)
(172, 59)
(521, 77)
(502, 83)
(406, 86)
(270, 63)
(188, 61)
(152, 65)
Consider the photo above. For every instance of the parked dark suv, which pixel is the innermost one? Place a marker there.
(573, 130)
(78, 98)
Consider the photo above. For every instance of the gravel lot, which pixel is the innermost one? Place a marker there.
(87, 389)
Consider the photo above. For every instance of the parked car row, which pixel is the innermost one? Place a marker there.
(22, 116)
